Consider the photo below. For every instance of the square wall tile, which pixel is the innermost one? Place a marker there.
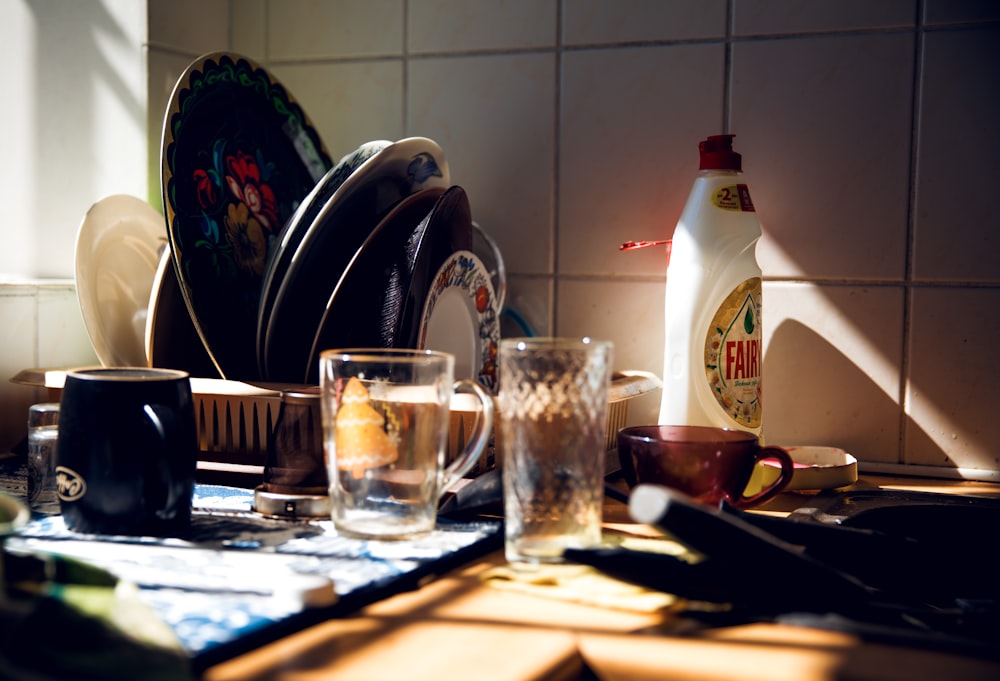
(248, 28)
(18, 328)
(823, 125)
(597, 22)
(763, 17)
(18, 337)
(165, 69)
(832, 358)
(951, 414)
(320, 29)
(62, 335)
(349, 103)
(956, 11)
(83, 121)
(955, 226)
(629, 314)
(494, 117)
(631, 122)
(192, 26)
(528, 307)
(459, 25)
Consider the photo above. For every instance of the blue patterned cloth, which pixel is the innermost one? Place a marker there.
(237, 575)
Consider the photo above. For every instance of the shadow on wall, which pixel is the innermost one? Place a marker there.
(816, 395)
(66, 103)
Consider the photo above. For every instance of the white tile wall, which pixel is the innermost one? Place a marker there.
(629, 149)
(824, 125)
(777, 17)
(458, 25)
(349, 103)
(832, 366)
(41, 326)
(955, 213)
(319, 29)
(951, 416)
(868, 141)
(501, 148)
(600, 22)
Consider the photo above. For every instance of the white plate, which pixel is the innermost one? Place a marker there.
(815, 468)
(461, 317)
(118, 248)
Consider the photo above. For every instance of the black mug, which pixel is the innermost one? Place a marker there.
(128, 450)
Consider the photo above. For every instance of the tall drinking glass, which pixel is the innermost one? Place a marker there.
(553, 420)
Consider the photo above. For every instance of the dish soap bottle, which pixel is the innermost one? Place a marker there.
(712, 346)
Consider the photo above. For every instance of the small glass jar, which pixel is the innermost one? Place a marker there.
(43, 436)
(295, 477)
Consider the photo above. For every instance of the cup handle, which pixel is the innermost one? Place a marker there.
(478, 439)
(772, 490)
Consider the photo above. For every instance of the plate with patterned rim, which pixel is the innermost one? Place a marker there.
(291, 236)
(118, 246)
(238, 156)
(346, 220)
(452, 294)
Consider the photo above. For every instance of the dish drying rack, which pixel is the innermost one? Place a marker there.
(235, 421)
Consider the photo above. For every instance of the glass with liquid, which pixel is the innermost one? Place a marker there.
(385, 430)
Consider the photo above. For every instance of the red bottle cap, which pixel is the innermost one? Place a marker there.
(717, 154)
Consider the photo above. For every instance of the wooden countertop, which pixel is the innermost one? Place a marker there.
(458, 627)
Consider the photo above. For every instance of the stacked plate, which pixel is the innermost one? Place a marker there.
(270, 253)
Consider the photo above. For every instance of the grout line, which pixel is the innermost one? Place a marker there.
(728, 37)
(405, 108)
(267, 32)
(814, 281)
(556, 174)
(727, 70)
(908, 289)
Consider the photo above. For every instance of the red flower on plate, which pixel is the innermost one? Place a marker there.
(206, 188)
(482, 299)
(245, 182)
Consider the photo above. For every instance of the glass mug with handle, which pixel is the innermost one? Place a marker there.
(385, 432)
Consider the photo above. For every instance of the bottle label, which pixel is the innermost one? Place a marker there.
(733, 197)
(733, 354)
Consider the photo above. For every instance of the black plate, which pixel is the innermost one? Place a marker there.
(238, 156)
(354, 313)
(280, 256)
(440, 260)
(334, 237)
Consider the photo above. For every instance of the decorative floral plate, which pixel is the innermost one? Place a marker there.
(459, 311)
(239, 155)
(461, 317)
(118, 246)
(336, 234)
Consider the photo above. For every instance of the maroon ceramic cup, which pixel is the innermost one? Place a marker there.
(707, 464)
